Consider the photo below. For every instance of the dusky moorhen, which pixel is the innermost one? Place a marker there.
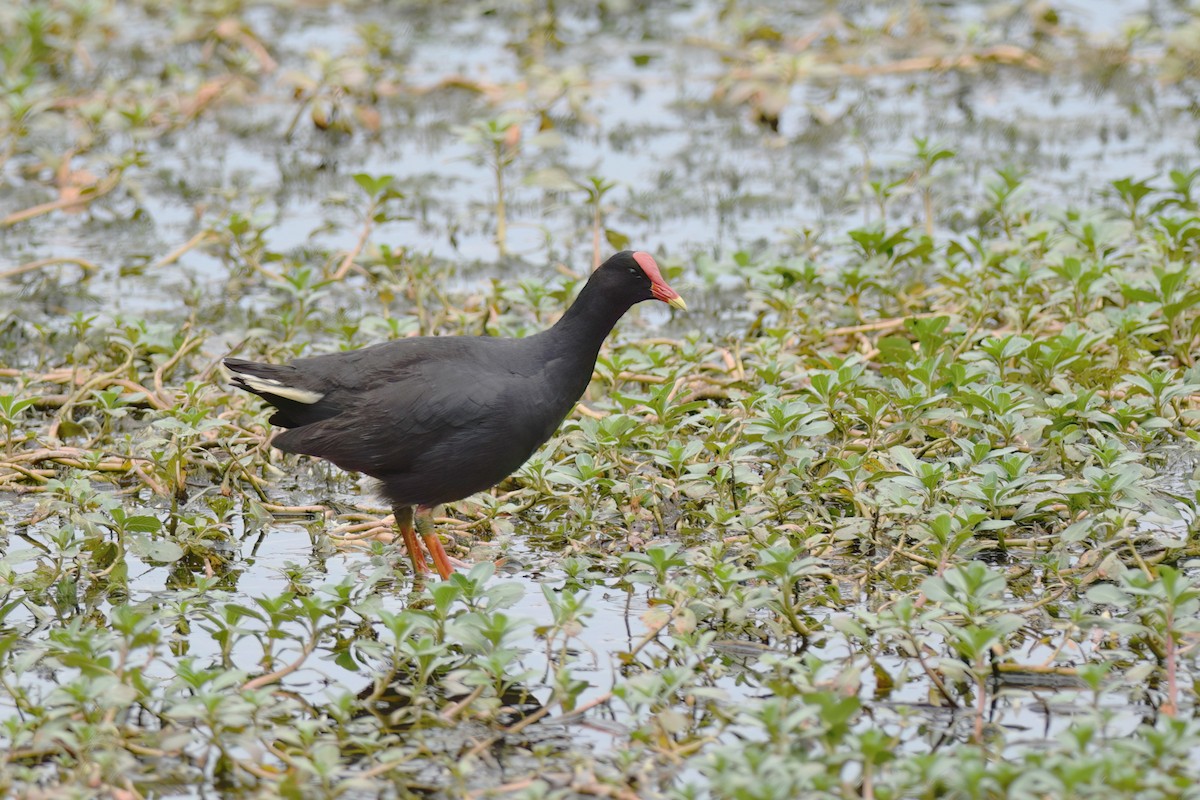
(439, 418)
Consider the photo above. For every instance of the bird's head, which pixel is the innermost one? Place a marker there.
(637, 272)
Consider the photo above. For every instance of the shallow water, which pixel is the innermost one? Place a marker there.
(693, 177)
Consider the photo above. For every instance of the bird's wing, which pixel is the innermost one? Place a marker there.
(313, 389)
(385, 429)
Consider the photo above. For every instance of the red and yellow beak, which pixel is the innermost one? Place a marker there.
(668, 295)
(658, 286)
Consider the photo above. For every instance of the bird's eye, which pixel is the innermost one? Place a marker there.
(633, 270)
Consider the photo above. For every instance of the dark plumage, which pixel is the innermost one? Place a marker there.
(439, 418)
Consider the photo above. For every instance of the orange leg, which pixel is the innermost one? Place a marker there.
(404, 521)
(425, 526)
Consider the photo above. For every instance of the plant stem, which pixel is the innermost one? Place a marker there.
(501, 212)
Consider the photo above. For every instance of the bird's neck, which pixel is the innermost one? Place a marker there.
(575, 340)
(587, 323)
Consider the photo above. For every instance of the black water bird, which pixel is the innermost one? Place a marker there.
(439, 418)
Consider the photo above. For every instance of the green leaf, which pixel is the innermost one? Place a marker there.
(895, 350)
(373, 184)
(618, 240)
(1108, 594)
(143, 523)
(158, 550)
(346, 661)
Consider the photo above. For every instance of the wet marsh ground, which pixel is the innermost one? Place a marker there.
(904, 508)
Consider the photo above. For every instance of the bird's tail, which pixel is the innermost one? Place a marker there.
(282, 386)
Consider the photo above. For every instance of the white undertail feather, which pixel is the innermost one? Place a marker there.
(272, 386)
